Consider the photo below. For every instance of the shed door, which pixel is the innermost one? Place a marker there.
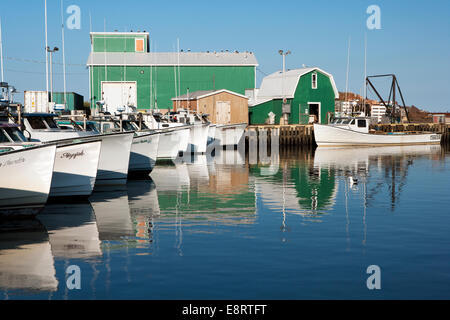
(117, 95)
(223, 112)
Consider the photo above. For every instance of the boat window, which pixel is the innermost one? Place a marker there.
(15, 134)
(51, 123)
(143, 125)
(346, 121)
(3, 136)
(353, 121)
(361, 123)
(91, 127)
(106, 127)
(127, 126)
(36, 123)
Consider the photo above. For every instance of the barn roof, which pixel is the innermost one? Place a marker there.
(205, 93)
(274, 87)
(172, 59)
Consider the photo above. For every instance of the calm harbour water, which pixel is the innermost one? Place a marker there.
(293, 227)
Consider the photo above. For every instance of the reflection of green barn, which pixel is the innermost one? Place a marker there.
(308, 92)
(303, 188)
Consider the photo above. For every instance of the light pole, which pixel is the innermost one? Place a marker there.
(285, 112)
(51, 51)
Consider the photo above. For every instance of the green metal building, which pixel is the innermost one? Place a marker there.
(301, 94)
(124, 71)
(74, 101)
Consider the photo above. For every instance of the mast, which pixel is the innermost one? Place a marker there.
(365, 73)
(179, 79)
(91, 80)
(348, 68)
(1, 51)
(64, 54)
(46, 57)
(176, 82)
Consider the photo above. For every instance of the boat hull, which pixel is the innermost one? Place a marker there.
(114, 157)
(144, 152)
(171, 142)
(75, 169)
(26, 180)
(330, 136)
(198, 138)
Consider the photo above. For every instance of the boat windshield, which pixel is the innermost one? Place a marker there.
(36, 123)
(91, 127)
(127, 126)
(346, 121)
(15, 134)
(51, 123)
(3, 136)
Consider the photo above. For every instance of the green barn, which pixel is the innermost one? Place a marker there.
(124, 72)
(299, 96)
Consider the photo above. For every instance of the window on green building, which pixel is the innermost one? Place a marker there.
(314, 81)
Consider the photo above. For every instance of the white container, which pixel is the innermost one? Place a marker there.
(36, 101)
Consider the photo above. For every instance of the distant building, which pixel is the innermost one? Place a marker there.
(125, 73)
(222, 106)
(378, 112)
(441, 117)
(309, 95)
(345, 108)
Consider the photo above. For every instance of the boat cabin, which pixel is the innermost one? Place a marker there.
(359, 124)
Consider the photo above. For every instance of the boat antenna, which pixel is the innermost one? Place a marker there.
(91, 80)
(63, 53)
(46, 57)
(1, 50)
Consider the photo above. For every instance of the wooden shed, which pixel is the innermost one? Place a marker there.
(223, 106)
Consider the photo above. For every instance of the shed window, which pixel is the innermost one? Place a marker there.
(139, 45)
(314, 81)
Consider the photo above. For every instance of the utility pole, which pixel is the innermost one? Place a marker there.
(51, 51)
(285, 112)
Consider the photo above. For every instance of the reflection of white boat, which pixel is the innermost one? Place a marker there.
(26, 261)
(342, 157)
(72, 230)
(355, 132)
(143, 198)
(170, 178)
(26, 179)
(229, 134)
(112, 213)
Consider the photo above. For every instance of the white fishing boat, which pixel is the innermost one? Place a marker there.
(174, 136)
(229, 134)
(144, 148)
(76, 162)
(26, 179)
(355, 132)
(115, 147)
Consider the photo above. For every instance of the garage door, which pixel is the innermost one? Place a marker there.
(119, 95)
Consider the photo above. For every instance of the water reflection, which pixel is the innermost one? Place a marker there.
(200, 195)
(26, 260)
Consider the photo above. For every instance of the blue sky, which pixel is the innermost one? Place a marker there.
(413, 43)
